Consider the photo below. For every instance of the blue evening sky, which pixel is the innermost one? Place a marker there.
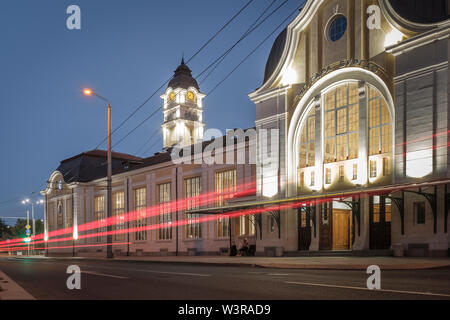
(125, 50)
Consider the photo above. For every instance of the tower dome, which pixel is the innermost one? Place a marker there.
(182, 78)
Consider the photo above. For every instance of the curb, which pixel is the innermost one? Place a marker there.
(412, 266)
(10, 290)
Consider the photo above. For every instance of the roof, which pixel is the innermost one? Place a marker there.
(92, 165)
(421, 11)
(182, 78)
(275, 55)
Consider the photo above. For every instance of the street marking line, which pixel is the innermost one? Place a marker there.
(177, 273)
(277, 274)
(104, 275)
(155, 271)
(366, 289)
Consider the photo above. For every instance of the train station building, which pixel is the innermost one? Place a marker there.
(355, 96)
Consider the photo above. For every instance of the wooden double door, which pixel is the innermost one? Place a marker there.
(335, 228)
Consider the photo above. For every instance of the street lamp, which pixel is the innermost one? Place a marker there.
(109, 253)
(28, 201)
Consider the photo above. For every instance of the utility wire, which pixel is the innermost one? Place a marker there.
(244, 35)
(253, 51)
(208, 67)
(162, 86)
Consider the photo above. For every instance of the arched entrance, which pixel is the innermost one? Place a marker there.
(339, 140)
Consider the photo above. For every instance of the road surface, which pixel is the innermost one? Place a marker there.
(46, 279)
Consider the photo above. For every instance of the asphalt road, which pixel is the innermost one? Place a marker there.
(46, 279)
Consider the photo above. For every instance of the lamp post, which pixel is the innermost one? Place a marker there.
(109, 253)
(28, 201)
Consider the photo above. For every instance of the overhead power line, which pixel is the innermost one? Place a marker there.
(207, 68)
(190, 59)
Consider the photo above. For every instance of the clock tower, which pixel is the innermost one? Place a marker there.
(183, 109)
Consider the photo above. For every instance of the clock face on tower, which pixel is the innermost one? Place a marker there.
(190, 95)
(172, 96)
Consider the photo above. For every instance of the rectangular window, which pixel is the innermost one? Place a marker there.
(118, 210)
(376, 209)
(247, 225)
(373, 169)
(99, 214)
(341, 173)
(302, 179)
(225, 185)
(192, 187)
(329, 150)
(313, 182)
(328, 176)
(307, 148)
(355, 172)
(380, 127)
(419, 212)
(140, 211)
(353, 145)
(341, 151)
(165, 211)
(386, 167)
(388, 210)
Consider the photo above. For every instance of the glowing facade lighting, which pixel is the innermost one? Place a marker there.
(393, 37)
(419, 163)
(289, 77)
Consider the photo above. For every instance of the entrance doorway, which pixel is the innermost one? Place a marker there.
(380, 222)
(342, 221)
(335, 228)
(304, 228)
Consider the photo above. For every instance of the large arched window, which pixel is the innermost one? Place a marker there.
(341, 123)
(340, 135)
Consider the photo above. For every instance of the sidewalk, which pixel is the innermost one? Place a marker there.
(9, 290)
(329, 263)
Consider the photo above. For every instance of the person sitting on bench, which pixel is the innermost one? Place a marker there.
(243, 251)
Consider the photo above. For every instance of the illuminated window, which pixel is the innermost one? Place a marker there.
(303, 221)
(376, 209)
(328, 175)
(373, 169)
(225, 185)
(341, 173)
(302, 179)
(341, 123)
(165, 212)
(313, 182)
(380, 124)
(99, 214)
(192, 187)
(247, 225)
(419, 212)
(140, 206)
(388, 210)
(307, 150)
(355, 171)
(386, 167)
(118, 210)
